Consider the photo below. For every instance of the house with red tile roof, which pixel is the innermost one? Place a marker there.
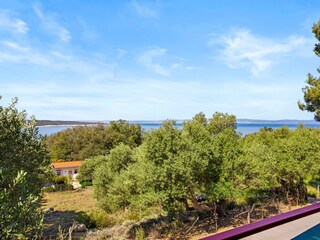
(66, 168)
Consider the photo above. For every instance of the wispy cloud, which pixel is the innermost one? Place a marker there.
(243, 49)
(102, 76)
(148, 60)
(12, 24)
(143, 10)
(51, 25)
(15, 46)
(14, 52)
(157, 60)
(121, 52)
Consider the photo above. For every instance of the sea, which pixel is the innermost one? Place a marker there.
(244, 127)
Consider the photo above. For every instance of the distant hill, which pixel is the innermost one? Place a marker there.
(179, 121)
(282, 121)
(58, 122)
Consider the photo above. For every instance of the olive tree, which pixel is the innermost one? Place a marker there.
(24, 164)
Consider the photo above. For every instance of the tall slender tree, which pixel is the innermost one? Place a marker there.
(312, 90)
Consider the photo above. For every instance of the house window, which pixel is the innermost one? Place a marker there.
(58, 173)
(75, 171)
(70, 172)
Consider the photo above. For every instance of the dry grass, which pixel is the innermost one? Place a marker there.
(76, 200)
(67, 206)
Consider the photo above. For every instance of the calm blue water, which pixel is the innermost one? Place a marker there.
(244, 128)
(312, 233)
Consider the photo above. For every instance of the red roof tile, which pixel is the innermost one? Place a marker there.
(67, 164)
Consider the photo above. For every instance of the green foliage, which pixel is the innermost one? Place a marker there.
(24, 166)
(21, 147)
(281, 161)
(208, 157)
(118, 160)
(312, 90)
(139, 234)
(95, 219)
(86, 184)
(19, 215)
(86, 170)
(61, 183)
(60, 180)
(221, 121)
(85, 219)
(89, 141)
(171, 166)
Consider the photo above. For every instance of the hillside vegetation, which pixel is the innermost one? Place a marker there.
(206, 166)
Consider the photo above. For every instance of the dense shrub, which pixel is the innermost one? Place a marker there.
(19, 214)
(95, 219)
(86, 170)
(85, 219)
(58, 180)
(86, 184)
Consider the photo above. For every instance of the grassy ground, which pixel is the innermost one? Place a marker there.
(67, 206)
(76, 200)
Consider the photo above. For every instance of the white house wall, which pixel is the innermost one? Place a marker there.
(65, 171)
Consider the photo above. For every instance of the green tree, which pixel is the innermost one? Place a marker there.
(24, 165)
(312, 90)
(280, 162)
(89, 141)
(221, 121)
(86, 170)
(118, 160)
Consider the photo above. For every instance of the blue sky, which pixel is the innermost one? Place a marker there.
(154, 60)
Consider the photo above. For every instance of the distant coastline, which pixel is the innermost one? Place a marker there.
(244, 126)
(43, 123)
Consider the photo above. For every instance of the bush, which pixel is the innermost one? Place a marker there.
(139, 234)
(58, 180)
(86, 184)
(19, 214)
(95, 219)
(86, 220)
(63, 187)
(312, 191)
(102, 219)
(48, 189)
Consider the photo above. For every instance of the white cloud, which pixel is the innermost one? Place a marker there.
(11, 24)
(15, 46)
(143, 10)
(51, 25)
(147, 59)
(158, 61)
(52, 59)
(243, 49)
